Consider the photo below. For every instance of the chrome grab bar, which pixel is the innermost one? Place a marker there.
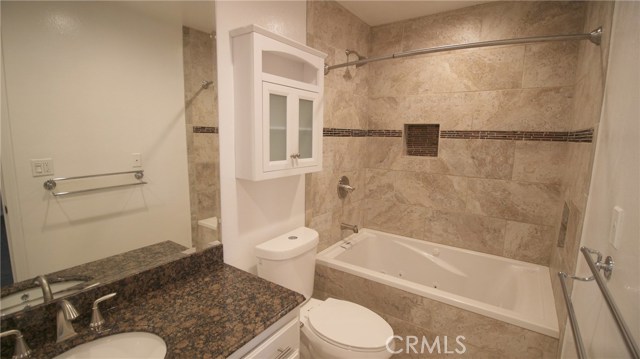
(51, 184)
(595, 269)
(572, 316)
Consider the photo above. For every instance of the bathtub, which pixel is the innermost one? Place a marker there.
(508, 290)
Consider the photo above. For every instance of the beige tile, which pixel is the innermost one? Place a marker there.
(540, 162)
(393, 217)
(577, 172)
(386, 39)
(453, 27)
(523, 110)
(477, 158)
(476, 70)
(410, 314)
(503, 20)
(383, 152)
(550, 64)
(588, 101)
(453, 111)
(545, 109)
(430, 190)
(380, 184)
(469, 231)
(333, 24)
(595, 58)
(529, 242)
(525, 202)
(323, 192)
(328, 280)
(327, 231)
(349, 153)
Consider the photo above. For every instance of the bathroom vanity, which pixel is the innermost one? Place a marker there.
(200, 307)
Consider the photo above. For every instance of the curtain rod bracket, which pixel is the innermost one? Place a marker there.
(595, 36)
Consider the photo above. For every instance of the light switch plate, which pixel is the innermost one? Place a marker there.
(617, 217)
(42, 167)
(136, 160)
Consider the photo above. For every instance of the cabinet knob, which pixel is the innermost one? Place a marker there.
(295, 155)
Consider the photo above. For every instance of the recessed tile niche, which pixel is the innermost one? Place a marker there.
(421, 140)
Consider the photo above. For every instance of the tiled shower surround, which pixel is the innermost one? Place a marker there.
(199, 54)
(516, 129)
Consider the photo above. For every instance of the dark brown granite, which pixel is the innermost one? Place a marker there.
(108, 269)
(200, 306)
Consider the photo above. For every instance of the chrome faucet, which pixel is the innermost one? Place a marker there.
(46, 289)
(97, 321)
(352, 227)
(21, 350)
(66, 313)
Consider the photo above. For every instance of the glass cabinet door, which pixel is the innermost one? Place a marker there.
(277, 127)
(305, 128)
(289, 127)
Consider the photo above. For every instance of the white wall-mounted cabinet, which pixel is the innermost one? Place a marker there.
(278, 104)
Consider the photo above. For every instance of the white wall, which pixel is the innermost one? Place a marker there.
(253, 212)
(615, 182)
(89, 83)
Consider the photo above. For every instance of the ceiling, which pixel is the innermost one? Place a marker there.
(384, 12)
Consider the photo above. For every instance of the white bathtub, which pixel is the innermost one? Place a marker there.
(512, 291)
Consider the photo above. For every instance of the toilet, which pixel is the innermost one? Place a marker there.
(330, 329)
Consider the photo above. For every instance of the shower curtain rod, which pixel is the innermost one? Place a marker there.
(594, 36)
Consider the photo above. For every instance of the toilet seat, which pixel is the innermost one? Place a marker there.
(349, 326)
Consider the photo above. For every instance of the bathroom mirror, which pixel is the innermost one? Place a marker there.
(117, 103)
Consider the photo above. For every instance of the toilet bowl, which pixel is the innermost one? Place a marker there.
(336, 329)
(331, 329)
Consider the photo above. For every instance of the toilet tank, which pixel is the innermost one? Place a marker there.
(289, 260)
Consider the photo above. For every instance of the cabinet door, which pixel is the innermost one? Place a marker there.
(290, 127)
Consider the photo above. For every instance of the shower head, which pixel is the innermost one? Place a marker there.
(205, 84)
(360, 57)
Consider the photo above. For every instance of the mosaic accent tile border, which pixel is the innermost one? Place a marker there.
(569, 136)
(573, 136)
(204, 129)
(352, 132)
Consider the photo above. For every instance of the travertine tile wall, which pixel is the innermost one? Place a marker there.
(500, 197)
(332, 29)
(201, 106)
(576, 174)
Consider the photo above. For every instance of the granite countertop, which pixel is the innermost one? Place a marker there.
(210, 312)
(109, 269)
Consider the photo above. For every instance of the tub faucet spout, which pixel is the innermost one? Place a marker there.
(351, 227)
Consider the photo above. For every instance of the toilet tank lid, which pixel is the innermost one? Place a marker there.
(288, 245)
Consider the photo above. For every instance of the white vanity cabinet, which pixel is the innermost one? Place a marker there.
(281, 340)
(278, 86)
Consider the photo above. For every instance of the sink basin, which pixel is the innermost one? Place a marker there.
(132, 345)
(33, 296)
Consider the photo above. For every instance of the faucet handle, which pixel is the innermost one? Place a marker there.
(21, 350)
(97, 321)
